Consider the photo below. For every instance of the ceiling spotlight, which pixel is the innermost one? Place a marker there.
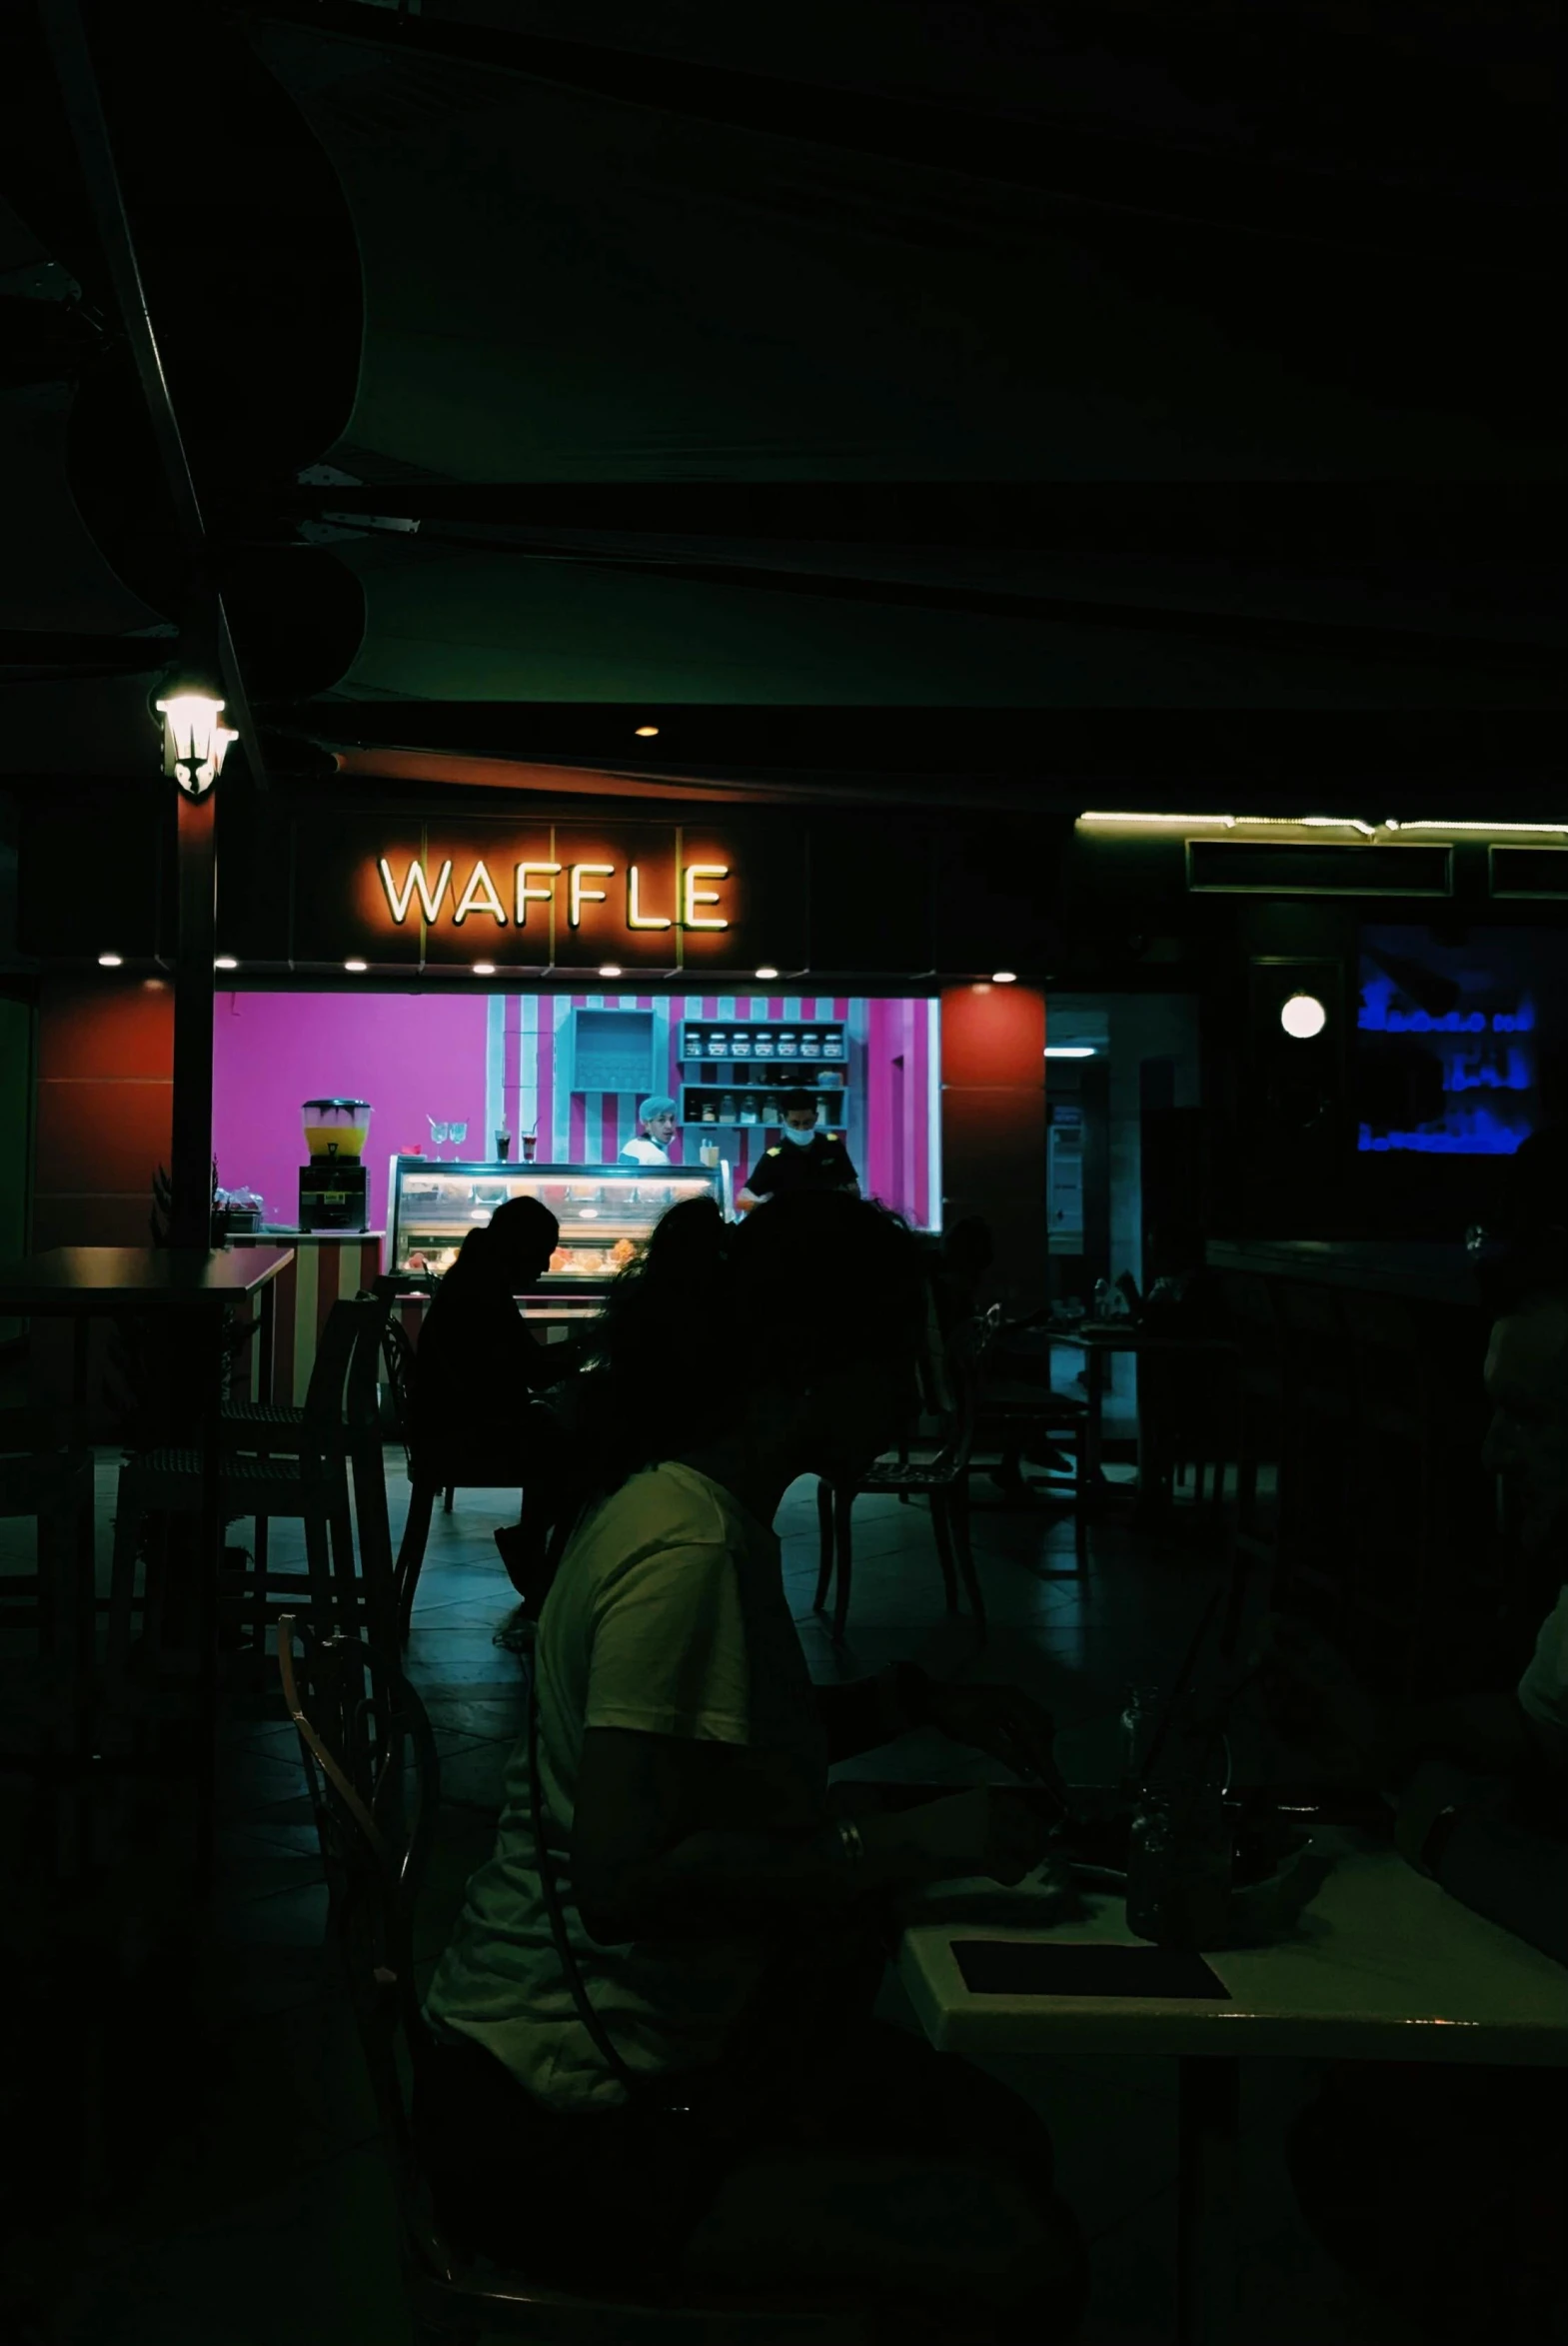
(645, 733)
(1004, 977)
(610, 970)
(226, 960)
(356, 969)
(484, 969)
(766, 977)
(1302, 1017)
(111, 961)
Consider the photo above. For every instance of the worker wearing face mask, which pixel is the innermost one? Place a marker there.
(803, 1158)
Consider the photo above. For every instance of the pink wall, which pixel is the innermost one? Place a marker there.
(411, 1056)
(898, 1077)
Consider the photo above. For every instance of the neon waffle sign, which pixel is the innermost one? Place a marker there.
(534, 893)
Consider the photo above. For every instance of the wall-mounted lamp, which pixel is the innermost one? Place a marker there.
(356, 969)
(484, 969)
(226, 960)
(610, 969)
(111, 961)
(766, 977)
(1004, 977)
(1070, 1049)
(1302, 1017)
(194, 740)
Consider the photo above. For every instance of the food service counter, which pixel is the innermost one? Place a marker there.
(605, 1212)
(328, 1266)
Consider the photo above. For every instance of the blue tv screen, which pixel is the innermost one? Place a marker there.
(1448, 1039)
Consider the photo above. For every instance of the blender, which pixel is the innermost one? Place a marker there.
(335, 1185)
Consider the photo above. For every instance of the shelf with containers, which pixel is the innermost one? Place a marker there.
(605, 1212)
(735, 1073)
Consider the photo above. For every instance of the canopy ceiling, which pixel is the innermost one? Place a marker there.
(576, 357)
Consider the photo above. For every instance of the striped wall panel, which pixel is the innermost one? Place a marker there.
(586, 1127)
(323, 1272)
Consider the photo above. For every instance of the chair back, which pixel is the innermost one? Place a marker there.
(398, 1360)
(368, 1462)
(374, 1777)
(324, 1395)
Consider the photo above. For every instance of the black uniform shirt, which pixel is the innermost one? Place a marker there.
(824, 1164)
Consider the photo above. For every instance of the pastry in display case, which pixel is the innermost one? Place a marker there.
(605, 1211)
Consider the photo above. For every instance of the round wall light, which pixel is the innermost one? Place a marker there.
(484, 969)
(1004, 977)
(226, 960)
(646, 733)
(610, 969)
(1302, 1017)
(766, 977)
(111, 961)
(356, 969)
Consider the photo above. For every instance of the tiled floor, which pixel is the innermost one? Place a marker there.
(242, 2197)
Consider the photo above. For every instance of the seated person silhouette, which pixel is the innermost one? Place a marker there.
(480, 1369)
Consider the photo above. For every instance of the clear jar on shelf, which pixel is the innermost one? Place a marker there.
(764, 1046)
(727, 1109)
(749, 1108)
(718, 1044)
(811, 1047)
(833, 1042)
(696, 1042)
(788, 1043)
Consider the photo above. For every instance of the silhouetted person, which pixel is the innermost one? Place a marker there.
(479, 1372)
(1528, 1251)
(478, 1364)
(1474, 2162)
(725, 1920)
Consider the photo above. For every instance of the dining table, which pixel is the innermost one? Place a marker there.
(1380, 1965)
(193, 1289)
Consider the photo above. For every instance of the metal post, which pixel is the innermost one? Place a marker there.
(191, 1170)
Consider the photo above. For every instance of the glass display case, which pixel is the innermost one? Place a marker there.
(605, 1211)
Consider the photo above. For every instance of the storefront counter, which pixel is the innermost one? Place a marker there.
(328, 1267)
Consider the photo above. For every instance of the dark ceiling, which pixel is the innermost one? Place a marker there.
(996, 401)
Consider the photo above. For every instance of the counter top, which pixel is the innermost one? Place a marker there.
(1419, 1270)
(277, 1235)
(75, 1279)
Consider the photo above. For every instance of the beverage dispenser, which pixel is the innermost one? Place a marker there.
(335, 1185)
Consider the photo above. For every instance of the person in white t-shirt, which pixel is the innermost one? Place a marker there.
(657, 1119)
(706, 1877)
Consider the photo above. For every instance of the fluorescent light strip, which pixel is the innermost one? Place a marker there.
(1495, 830)
(1070, 1049)
(1337, 823)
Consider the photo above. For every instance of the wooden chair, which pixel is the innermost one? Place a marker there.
(1014, 1409)
(943, 1477)
(345, 1366)
(371, 1763)
(309, 1486)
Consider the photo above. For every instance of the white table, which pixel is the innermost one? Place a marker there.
(1383, 1967)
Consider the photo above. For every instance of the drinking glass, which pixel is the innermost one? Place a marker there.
(440, 1134)
(459, 1133)
(1179, 1868)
